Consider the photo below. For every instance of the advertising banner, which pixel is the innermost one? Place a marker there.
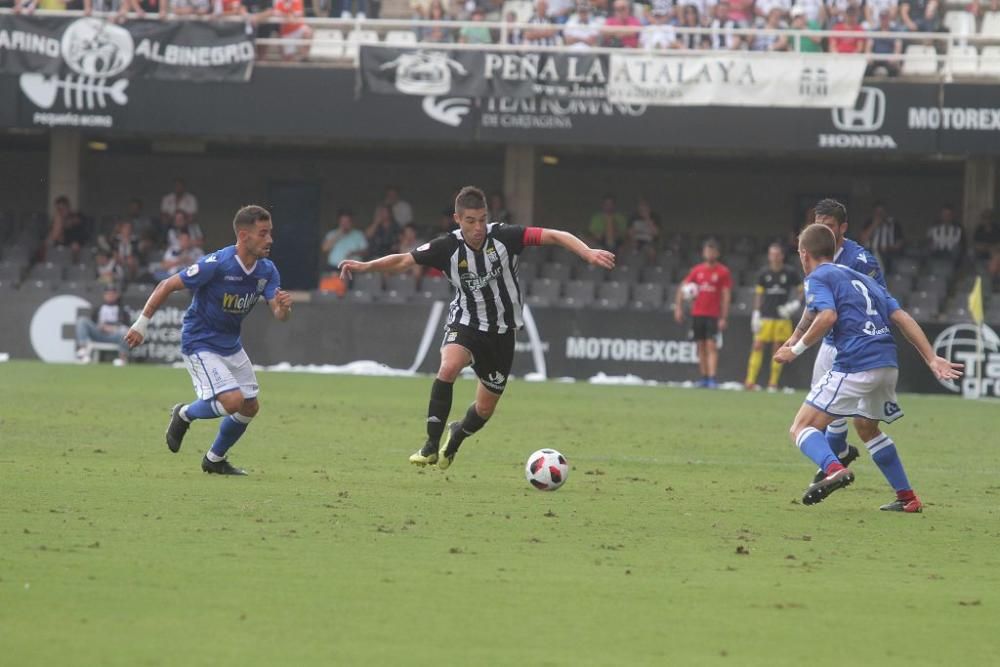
(736, 79)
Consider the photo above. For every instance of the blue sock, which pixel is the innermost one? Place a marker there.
(202, 409)
(813, 444)
(885, 456)
(836, 437)
(230, 430)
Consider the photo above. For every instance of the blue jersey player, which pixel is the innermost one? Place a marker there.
(858, 312)
(833, 215)
(226, 285)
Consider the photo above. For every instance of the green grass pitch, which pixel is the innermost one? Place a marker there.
(678, 539)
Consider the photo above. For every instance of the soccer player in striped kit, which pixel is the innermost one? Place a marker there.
(480, 259)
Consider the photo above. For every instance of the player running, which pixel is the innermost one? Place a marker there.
(778, 296)
(226, 285)
(480, 259)
(710, 309)
(833, 215)
(862, 383)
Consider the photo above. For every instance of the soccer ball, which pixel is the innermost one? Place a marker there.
(689, 291)
(546, 470)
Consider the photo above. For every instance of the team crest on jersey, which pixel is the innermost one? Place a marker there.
(260, 285)
(491, 253)
(211, 258)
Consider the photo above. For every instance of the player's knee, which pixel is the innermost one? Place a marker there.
(449, 372)
(231, 401)
(250, 407)
(867, 429)
(758, 345)
(486, 409)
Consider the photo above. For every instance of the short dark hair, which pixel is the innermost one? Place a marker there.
(248, 216)
(62, 199)
(818, 241)
(832, 208)
(710, 243)
(470, 197)
(777, 244)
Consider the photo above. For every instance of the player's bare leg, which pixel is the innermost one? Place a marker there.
(807, 434)
(884, 454)
(711, 362)
(454, 358)
(239, 413)
(475, 419)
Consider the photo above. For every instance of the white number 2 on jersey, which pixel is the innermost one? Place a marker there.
(860, 286)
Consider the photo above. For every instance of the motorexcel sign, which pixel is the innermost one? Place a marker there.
(75, 72)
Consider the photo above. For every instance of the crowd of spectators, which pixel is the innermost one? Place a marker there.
(653, 25)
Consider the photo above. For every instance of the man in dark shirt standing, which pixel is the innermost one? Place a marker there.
(778, 297)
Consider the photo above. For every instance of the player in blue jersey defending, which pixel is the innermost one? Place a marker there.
(833, 215)
(226, 285)
(862, 382)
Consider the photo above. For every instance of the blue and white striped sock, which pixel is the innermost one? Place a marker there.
(230, 430)
(885, 456)
(836, 437)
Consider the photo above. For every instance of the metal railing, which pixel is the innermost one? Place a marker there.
(938, 56)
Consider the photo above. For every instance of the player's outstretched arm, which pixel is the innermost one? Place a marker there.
(388, 264)
(281, 305)
(137, 332)
(941, 367)
(595, 256)
(822, 322)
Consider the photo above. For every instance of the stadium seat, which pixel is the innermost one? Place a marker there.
(648, 296)
(17, 254)
(589, 272)
(556, 271)
(941, 266)
(138, 290)
(626, 273)
(11, 272)
(523, 9)
(395, 296)
(635, 259)
(932, 283)
(920, 60)
(403, 284)
(963, 60)
(991, 25)
(656, 273)
(612, 294)
(37, 285)
(960, 23)
(367, 282)
(397, 37)
(80, 273)
(48, 272)
(993, 314)
(743, 299)
(355, 39)
(327, 45)
(526, 272)
(435, 289)
(989, 61)
(579, 293)
(907, 266)
(59, 255)
(359, 296)
(737, 263)
(544, 291)
(900, 285)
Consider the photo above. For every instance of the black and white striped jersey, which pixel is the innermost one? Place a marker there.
(487, 295)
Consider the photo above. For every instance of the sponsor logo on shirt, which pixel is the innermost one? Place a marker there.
(239, 304)
(236, 278)
(476, 283)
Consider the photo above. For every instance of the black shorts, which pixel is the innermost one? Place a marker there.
(704, 328)
(492, 354)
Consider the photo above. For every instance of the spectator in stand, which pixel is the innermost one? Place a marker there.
(108, 324)
(771, 41)
(347, 5)
(120, 8)
(986, 237)
(125, 248)
(185, 7)
(290, 13)
(229, 8)
(583, 29)
(68, 229)
(608, 227)
(815, 13)
(874, 9)
(446, 223)
(722, 36)
(498, 209)
(849, 24)
(946, 238)
(644, 229)
(622, 18)
(478, 34)
(560, 10)
(408, 242)
(742, 11)
(109, 273)
(691, 18)
(177, 258)
(763, 8)
(979, 7)
(436, 34)
(401, 210)
(148, 228)
(883, 236)
(804, 44)
(541, 36)
(382, 233)
(660, 33)
(920, 15)
(179, 199)
(182, 223)
(344, 242)
(884, 46)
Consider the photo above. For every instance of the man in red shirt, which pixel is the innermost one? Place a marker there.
(622, 18)
(850, 24)
(711, 283)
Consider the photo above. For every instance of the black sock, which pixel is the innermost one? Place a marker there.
(438, 409)
(472, 423)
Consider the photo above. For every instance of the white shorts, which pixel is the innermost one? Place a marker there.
(824, 362)
(869, 394)
(214, 374)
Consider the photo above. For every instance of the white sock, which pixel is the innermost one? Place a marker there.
(184, 414)
(214, 458)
